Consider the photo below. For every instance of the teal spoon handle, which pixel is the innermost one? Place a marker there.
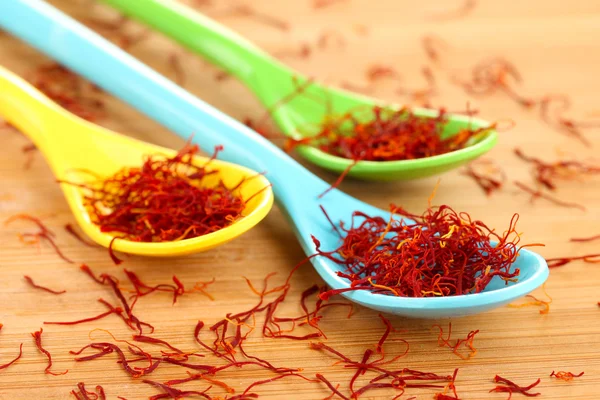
(90, 55)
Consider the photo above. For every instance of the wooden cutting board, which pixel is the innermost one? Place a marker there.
(556, 47)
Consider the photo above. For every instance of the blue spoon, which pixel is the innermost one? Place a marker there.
(296, 189)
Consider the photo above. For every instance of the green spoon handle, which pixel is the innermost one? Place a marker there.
(220, 45)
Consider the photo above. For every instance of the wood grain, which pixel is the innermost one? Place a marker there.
(555, 45)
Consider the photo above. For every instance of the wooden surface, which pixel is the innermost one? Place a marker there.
(556, 47)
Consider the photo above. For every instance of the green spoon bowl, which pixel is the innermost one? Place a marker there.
(272, 81)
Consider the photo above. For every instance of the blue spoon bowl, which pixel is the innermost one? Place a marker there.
(296, 189)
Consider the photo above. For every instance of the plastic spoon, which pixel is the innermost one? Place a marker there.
(70, 143)
(272, 81)
(296, 189)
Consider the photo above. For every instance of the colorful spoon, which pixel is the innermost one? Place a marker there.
(271, 81)
(296, 189)
(70, 143)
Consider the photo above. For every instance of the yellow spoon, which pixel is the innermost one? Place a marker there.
(71, 144)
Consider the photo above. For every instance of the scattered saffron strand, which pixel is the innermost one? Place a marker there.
(468, 342)
(335, 228)
(194, 377)
(511, 387)
(545, 173)
(536, 302)
(111, 310)
(244, 10)
(332, 395)
(318, 4)
(380, 344)
(29, 150)
(565, 376)
(557, 121)
(173, 393)
(536, 193)
(432, 44)
(560, 261)
(73, 232)
(34, 285)
(303, 51)
(465, 9)
(222, 76)
(328, 36)
(37, 337)
(300, 88)
(442, 396)
(331, 387)
(377, 72)
(587, 239)
(353, 87)
(109, 348)
(142, 289)
(262, 382)
(148, 339)
(360, 29)
(70, 91)
(82, 394)
(129, 318)
(175, 65)
(339, 180)
(34, 238)
(489, 180)
(111, 250)
(490, 76)
(201, 286)
(8, 364)
(116, 31)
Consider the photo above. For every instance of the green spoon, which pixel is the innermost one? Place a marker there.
(272, 81)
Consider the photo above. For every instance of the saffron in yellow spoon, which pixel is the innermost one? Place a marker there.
(72, 145)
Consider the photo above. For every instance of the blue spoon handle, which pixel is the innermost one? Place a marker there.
(87, 53)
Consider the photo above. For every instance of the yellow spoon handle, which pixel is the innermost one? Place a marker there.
(31, 112)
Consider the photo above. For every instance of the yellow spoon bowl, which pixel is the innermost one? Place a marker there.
(72, 145)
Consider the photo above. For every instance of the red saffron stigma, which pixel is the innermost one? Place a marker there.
(37, 337)
(34, 285)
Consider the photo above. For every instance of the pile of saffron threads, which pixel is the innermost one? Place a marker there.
(381, 134)
(439, 253)
(166, 199)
